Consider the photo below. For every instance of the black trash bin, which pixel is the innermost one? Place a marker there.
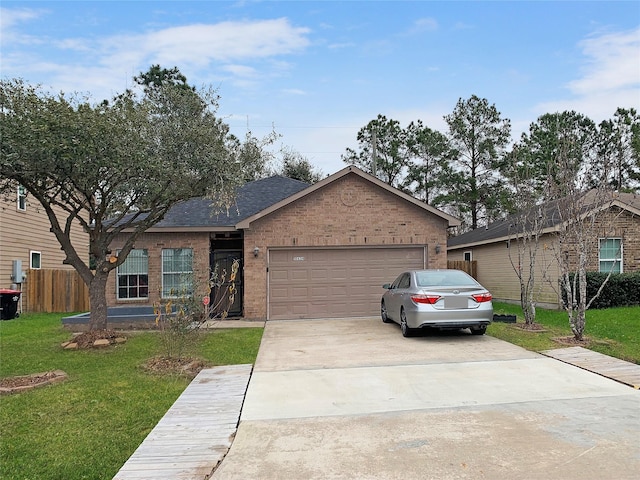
(9, 303)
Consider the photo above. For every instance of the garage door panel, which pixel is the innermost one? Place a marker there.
(279, 275)
(300, 291)
(297, 275)
(338, 282)
(338, 274)
(338, 291)
(281, 294)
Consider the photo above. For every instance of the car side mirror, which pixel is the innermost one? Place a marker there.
(386, 286)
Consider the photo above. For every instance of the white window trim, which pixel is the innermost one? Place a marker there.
(118, 274)
(616, 260)
(191, 272)
(31, 253)
(464, 255)
(21, 198)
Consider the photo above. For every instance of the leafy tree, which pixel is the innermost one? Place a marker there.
(429, 168)
(618, 151)
(254, 155)
(298, 167)
(479, 135)
(383, 150)
(557, 152)
(116, 167)
(157, 76)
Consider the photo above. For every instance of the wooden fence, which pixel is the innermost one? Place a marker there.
(470, 267)
(55, 291)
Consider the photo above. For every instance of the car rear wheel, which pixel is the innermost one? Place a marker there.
(383, 313)
(479, 330)
(406, 331)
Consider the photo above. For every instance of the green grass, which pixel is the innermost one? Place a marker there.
(89, 425)
(612, 331)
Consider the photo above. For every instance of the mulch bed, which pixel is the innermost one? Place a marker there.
(568, 341)
(572, 342)
(27, 382)
(86, 339)
(530, 327)
(186, 366)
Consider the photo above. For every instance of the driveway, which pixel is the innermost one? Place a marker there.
(353, 399)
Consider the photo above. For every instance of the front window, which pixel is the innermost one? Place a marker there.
(468, 256)
(22, 199)
(177, 272)
(133, 275)
(610, 255)
(35, 260)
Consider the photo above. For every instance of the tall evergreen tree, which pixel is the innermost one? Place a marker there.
(479, 135)
(383, 150)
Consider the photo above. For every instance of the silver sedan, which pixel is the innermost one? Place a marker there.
(443, 299)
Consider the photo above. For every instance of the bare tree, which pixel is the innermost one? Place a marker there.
(582, 217)
(526, 228)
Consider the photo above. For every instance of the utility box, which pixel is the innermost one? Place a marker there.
(17, 275)
(9, 303)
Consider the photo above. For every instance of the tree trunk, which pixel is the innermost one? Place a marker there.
(98, 299)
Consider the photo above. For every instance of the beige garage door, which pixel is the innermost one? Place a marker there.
(331, 283)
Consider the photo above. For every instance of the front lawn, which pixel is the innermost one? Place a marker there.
(612, 331)
(87, 426)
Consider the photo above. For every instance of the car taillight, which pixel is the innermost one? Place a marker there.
(421, 298)
(482, 297)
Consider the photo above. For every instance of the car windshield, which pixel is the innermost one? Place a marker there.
(444, 278)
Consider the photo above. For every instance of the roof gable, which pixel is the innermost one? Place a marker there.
(350, 170)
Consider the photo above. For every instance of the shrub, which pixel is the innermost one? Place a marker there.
(622, 289)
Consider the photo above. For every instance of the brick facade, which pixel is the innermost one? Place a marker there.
(154, 243)
(617, 223)
(350, 211)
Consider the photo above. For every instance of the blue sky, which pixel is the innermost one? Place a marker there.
(319, 71)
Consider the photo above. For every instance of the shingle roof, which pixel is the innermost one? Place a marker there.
(252, 198)
(261, 197)
(547, 212)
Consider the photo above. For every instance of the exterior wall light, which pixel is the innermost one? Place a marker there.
(256, 251)
(438, 248)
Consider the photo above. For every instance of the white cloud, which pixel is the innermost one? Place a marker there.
(105, 65)
(227, 41)
(240, 70)
(424, 25)
(610, 77)
(11, 17)
(614, 63)
(294, 91)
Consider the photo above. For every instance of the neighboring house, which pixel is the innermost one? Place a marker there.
(25, 237)
(304, 251)
(618, 247)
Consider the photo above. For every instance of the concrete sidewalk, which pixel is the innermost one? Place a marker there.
(346, 399)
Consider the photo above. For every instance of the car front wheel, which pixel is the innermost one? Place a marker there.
(383, 313)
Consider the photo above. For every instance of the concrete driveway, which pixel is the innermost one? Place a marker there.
(353, 399)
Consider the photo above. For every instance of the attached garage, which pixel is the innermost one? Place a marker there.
(334, 282)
